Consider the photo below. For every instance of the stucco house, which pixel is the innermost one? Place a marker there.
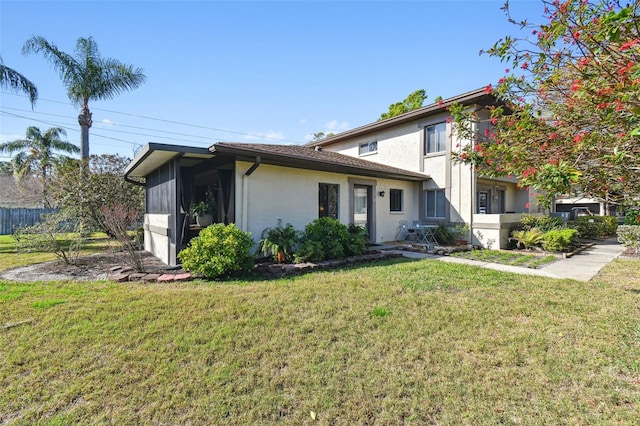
(377, 175)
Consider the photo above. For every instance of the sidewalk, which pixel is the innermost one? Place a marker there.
(581, 267)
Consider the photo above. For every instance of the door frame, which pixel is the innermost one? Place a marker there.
(370, 185)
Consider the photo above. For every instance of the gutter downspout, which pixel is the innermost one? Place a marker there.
(245, 193)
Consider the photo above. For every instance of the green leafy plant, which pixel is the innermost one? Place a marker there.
(279, 242)
(544, 223)
(632, 217)
(559, 239)
(527, 239)
(629, 236)
(444, 235)
(594, 227)
(219, 250)
(201, 208)
(327, 238)
(356, 243)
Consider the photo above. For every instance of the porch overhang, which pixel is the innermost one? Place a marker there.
(154, 155)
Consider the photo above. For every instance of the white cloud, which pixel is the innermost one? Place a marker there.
(107, 122)
(334, 126)
(303, 120)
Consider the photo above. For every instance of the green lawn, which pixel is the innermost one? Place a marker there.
(506, 258)
(417, 342)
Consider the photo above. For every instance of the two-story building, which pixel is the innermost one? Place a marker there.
(378, 175)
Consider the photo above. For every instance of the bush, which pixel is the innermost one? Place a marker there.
(279, 242)
(559, 239)
(527, 239)
(629, 236)
(357, 242)
(327, 238)
(632, 217)
(218, 251)
(543, 223)
(594, 227)
(57, 234)
(444, 235)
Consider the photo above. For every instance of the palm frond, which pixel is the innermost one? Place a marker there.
(16, 82)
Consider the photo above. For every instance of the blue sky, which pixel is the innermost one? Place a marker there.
(260, 72)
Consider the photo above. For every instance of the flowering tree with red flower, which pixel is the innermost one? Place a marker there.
(569, 113)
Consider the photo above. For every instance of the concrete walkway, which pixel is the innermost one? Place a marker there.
(582, 266)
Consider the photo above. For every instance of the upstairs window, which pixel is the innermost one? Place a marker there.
(435, 139)
(395, 200)
(368, 148)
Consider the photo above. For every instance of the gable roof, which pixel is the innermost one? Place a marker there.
(310, 158)
(478, 96)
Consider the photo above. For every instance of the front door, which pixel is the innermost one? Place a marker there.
(362, 206)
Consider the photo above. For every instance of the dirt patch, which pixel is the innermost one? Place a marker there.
(630, 253)
(88, 268)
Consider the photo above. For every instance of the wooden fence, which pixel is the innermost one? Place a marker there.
(14, 218)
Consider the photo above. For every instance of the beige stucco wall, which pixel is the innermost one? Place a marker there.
(273, 192)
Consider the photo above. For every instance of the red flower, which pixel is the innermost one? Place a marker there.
(463, 155)
(577, 138)
(440, 103)
(494, 121)
(488, 90)
(524, 66)
(575, 86)
(527, 205)
(507, 70)
(629, 44)
(449, 119)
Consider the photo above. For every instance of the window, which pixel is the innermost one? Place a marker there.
(328, 200)
(368, 148)
(435, 138)
(435, 204)
(395, 200)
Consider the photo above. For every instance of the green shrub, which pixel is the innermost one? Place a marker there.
(444, 235)
(559, 239)
(593, 227)
(281, 239)
(543, 223)
(632, 217)
(218, 251)
(356, 244)
(527, 239)
(327, 238)
(629, 236)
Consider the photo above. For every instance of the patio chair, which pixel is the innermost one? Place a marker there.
(404, 232)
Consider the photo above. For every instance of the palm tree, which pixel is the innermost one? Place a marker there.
(35, 154)
(87, 76)
(16, 82)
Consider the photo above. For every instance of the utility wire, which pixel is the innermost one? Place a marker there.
(166, 121)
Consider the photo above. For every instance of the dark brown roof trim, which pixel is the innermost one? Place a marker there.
(313, 159)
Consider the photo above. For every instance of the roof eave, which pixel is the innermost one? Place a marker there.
(475, 96)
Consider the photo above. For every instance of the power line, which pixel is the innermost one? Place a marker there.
(168, 121)
(184, 135)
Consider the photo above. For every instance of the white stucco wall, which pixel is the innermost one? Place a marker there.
(273, 192)
(156, 235)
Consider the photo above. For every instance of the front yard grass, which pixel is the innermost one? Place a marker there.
(506, 258)
(415, 342)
